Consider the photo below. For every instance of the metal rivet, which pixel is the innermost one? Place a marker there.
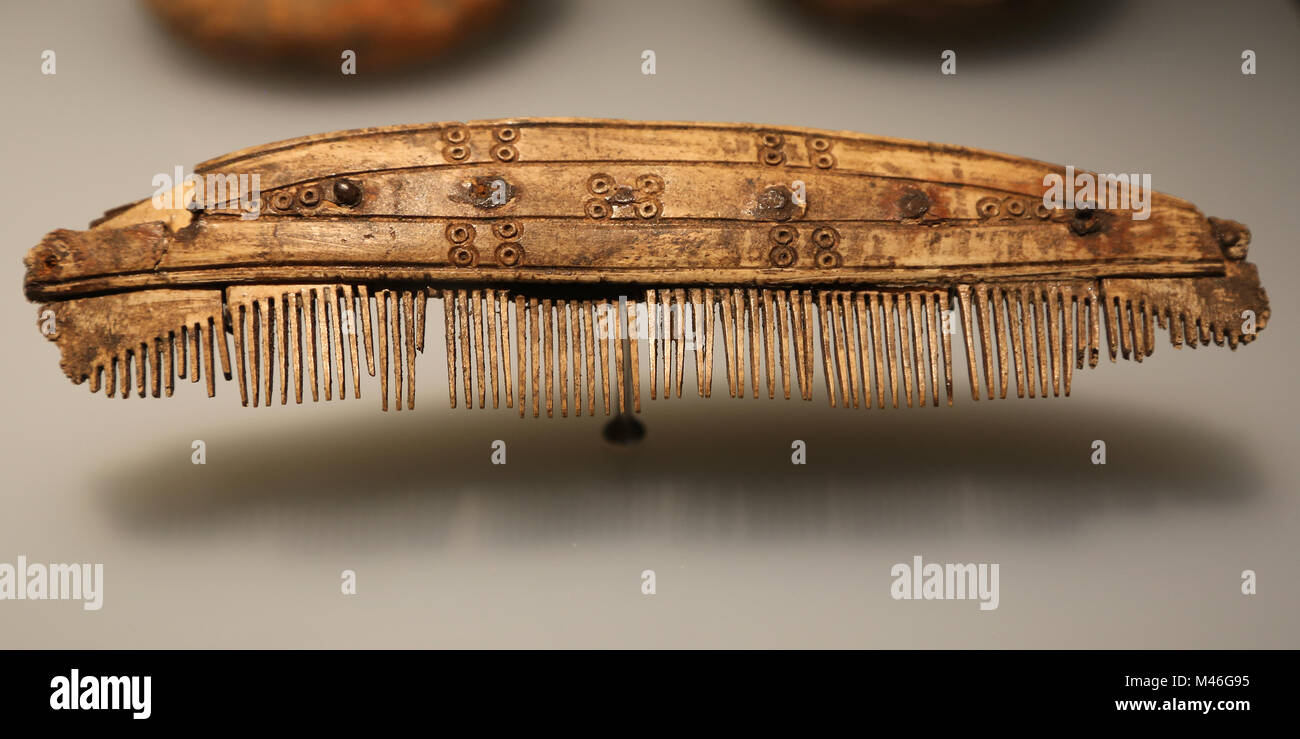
(347, 192)
(914, 204)
(1085, 221)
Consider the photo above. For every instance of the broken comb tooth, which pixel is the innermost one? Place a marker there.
(564, 251)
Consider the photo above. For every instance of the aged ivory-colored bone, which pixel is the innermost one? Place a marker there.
(766, 254)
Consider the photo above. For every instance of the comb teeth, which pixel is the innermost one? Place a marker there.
(1037, 332)
(1195, 310)
(565, 346)
(314, 337)
(878, 348)
(141, 340)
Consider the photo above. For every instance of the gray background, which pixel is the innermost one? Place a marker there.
(749, 549)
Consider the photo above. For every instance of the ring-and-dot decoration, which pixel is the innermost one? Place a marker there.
(1013, 208)
(462, 252)
(824, 241)
(819, 152)
(783, 254)
(771, 149)
(504, 150)
(614, 201)
(509, 253)
(305, 198)
(456, 144)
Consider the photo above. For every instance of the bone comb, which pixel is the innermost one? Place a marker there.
(564, 252)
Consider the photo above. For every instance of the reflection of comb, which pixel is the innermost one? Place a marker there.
(807, 248)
